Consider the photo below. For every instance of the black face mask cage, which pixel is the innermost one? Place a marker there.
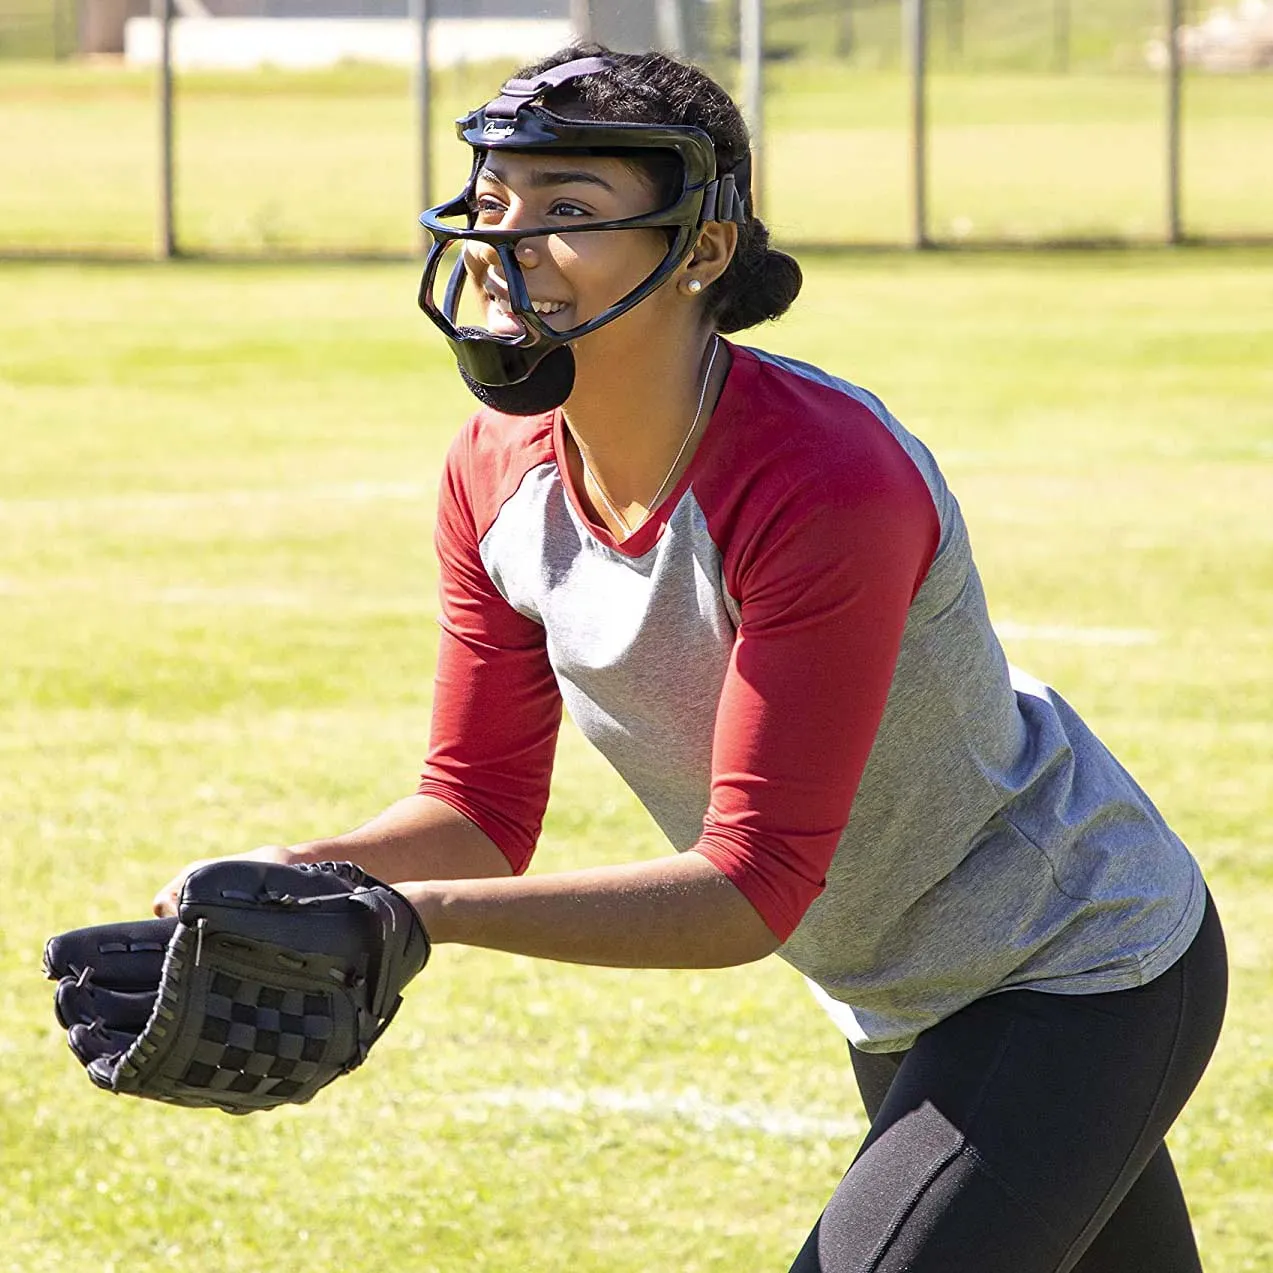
(511, 122)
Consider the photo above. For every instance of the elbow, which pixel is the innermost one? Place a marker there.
(745, 938)
(758, 946)
(734, 931)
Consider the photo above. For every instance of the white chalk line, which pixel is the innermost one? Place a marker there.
(180, 595)
(369, 492)
(689, 1107)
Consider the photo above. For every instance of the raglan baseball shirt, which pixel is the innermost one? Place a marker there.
(792, 666)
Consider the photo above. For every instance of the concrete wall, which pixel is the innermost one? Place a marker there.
(306, 43)
(524, 10)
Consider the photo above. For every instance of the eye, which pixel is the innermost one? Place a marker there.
(564, 208)
(487, 208)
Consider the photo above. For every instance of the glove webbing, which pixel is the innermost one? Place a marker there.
(254, 1038)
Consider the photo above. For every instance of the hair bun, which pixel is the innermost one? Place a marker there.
(782, 281)
(759, 285)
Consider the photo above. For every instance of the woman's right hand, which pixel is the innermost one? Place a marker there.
(165, 903)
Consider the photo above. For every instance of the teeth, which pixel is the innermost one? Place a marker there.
(540, 307)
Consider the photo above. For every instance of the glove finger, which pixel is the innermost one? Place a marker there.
(125, 956)
(102, 1072)
(95, 1042)
(80, 1001)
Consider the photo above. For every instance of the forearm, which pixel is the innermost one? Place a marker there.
(674, 912)
(416, 838)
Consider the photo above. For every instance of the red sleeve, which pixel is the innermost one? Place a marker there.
(496, 706)
(825, 569)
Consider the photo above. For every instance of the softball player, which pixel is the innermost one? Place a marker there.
(754, 592)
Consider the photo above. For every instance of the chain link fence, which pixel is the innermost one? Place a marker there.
(1044, 121)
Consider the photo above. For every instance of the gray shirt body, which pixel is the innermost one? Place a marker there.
(994, 842)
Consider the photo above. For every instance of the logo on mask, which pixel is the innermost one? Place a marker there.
(492, 129)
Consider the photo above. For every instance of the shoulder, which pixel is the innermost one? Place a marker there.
(489, 458)
(797, 446)
(801, 414)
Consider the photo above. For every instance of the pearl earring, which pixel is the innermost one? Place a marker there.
(694, 286)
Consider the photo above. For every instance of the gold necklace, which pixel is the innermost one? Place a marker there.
(667, 477)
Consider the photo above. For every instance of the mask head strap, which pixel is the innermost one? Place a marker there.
(516, 94)
(726, 198)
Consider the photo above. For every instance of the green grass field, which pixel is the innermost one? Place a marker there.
(324, 162)
(216, 490)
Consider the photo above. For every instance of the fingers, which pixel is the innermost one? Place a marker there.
(109, 984)
(167, 900)
(79, 1001)
(91, 1042)
(124, 956)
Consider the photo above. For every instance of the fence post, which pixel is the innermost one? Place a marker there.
(955, 30)
(1061, 36)
(162, 10)
(752, 50)
(844, 30)
(423, 112)
(916, 13)
(671, 26)
(1175, 18)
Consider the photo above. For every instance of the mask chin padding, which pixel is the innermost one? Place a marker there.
(545, 389)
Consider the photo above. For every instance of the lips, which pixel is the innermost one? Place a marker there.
(501, 320)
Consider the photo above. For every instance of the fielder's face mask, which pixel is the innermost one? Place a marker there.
(534, 371)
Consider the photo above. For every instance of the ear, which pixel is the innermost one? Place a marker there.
(712, 253)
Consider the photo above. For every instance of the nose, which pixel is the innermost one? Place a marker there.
(482, 259)
(517, 216)
(483, 255)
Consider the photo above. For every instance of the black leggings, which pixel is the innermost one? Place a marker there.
(1025, 1134)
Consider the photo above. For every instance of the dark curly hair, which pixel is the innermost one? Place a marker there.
(651, 88)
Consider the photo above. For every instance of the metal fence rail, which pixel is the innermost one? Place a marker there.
(920, 123)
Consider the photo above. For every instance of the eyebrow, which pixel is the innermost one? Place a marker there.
(545, 178)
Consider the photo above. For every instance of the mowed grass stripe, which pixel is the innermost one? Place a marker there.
(192, 435)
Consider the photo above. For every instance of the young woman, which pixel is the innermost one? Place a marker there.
(754, 592)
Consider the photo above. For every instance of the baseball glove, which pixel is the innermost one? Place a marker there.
(271, 982)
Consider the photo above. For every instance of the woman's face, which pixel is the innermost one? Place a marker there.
(571, 275)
